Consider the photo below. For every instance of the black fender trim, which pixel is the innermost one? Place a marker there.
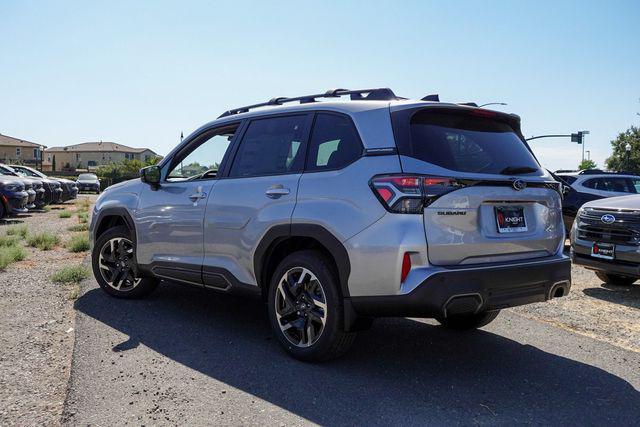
(115, 211)
(281, 232)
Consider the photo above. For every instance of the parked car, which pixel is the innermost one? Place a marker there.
(88, 182)
(61, 189)
(339, 212)
(606, 238)
(13, 197)
(33, 187)
(593, 184)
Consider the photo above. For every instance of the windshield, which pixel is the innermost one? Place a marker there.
(87, 177)
(465, 143)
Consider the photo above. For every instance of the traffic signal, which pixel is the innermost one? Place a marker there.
(577, 137)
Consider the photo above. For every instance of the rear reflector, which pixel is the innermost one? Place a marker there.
(406, 267)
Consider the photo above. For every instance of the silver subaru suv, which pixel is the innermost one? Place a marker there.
(341, 207)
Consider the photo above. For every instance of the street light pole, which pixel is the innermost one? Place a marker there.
(588, 154)
(627, 148)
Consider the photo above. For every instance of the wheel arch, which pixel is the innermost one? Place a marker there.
(283, 239)
(112, 217)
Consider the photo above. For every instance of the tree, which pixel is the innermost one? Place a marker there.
(587, 164)
(621, 160)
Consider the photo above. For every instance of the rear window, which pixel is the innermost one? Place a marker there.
(569, 179)
(464, 143)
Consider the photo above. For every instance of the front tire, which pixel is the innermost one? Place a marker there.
(305, 308)
(114, 266)
(465, 322)
(615, 279)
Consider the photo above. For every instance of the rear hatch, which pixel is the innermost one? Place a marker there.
(485, 196)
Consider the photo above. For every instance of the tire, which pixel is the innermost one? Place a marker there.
(468, 321)
(130, 286)
(615, 279)
(327, 338)
(3, 211)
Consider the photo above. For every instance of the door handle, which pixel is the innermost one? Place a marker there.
(197, 196)
(277, 191)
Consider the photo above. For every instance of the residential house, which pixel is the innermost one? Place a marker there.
(89, 155)
(19, 151)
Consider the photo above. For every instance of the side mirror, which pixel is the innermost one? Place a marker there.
(150, 175)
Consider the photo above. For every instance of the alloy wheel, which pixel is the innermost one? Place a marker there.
(301, 307)
(117, 265)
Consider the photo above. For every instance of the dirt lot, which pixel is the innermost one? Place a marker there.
(37, 322)
(599, 310)
(36, 325)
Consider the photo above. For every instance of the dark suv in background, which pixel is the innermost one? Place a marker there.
(33, 187)
(13, 197)
(593, 184)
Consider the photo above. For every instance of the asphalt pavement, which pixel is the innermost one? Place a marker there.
(193, 357)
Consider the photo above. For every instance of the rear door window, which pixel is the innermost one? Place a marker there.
(334, 143)
(616, 185)
(271, 146)
(466, 143)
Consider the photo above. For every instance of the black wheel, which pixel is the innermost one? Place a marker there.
(114, 267)
(615, 279)
(463, 322)
(3, 211)
(305, 308)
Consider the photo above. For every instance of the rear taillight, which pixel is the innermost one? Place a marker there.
(411, 193)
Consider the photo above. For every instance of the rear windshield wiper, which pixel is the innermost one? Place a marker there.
(517, 170)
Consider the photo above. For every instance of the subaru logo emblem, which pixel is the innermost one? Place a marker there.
(519, 184)
(608, 218)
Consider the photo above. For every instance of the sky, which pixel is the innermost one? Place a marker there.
(140, 73)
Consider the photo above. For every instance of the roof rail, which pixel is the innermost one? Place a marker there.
(378, 94)
(601, 172)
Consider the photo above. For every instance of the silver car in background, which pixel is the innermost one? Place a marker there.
(606, 238)
(336, 212)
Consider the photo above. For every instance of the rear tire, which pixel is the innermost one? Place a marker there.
(464, 322)
(306, 309)
(615, 279)
(114, 266)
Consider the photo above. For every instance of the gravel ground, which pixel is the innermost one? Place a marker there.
(599, 310)
(36, 326)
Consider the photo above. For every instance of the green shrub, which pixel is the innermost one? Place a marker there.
(18, 230)
(9, 240)
(78, 243)
(82, 205)
(44, 241)
(79, 227)
(83, 217)
(11, 254)
(70, 274)
(65, 214)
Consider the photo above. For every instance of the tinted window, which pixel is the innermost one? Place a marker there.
(636, 184)
(334, 143)
(569, 179)
(465, 143)
(618, 185)
(270, 147)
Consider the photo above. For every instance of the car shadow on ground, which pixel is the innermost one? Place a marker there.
(623, 295)
(400, 372)
(10, 221)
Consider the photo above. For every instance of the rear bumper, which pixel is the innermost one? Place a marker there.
(473, 289)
